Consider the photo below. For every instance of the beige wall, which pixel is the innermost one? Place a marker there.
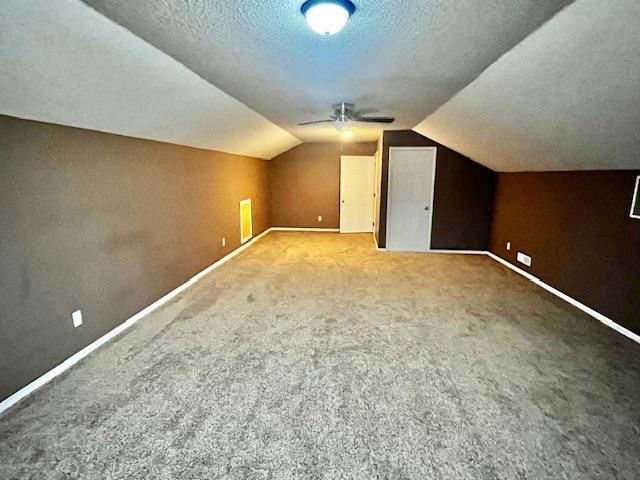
(305, 183)
(107, 224)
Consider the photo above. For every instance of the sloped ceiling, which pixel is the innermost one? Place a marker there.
(63, 62)
(404, 58)
(517, 85)
(566, 98)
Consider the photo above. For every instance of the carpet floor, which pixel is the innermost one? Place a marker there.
(313, 356)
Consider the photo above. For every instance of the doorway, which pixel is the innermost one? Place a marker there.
(357, 177)
(410, 198)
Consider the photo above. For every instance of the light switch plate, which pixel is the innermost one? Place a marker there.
(224, 241)
(508, 246)
(77, 318)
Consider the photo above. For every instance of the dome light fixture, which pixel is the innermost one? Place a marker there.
(327, 17)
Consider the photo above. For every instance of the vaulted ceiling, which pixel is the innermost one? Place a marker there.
(400, 58)
(62, 62)
(513, 84)
(566, 98)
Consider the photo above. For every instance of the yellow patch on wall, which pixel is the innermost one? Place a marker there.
(246, 223)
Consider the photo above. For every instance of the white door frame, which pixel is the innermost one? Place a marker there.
(433, 188)
(377, 188)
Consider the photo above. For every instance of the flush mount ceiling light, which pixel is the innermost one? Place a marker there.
(327, 17)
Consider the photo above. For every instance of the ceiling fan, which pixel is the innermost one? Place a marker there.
(346, 113)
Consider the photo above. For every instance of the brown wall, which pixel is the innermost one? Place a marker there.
(577, 229)
(106, 224)
(109, 224)
(305, 183)
(463, 196)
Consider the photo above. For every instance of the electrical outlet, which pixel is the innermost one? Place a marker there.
(524, 259)
(319, 218)
(224, 242)
(77, 318)
(508, 246)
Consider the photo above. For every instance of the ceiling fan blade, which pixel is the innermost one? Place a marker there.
(366, 111)
(316, 121)
(376, 119)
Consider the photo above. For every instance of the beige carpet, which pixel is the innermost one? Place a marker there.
(312, 356)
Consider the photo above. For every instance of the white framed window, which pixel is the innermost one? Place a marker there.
(635, 205)
(246, 221)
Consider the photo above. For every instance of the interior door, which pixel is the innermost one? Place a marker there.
(410, 198)
(357, 177)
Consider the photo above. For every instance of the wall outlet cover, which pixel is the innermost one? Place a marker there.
(224, 241)
(319, 218)
(524, 259)
(508, 246)
(77, 318)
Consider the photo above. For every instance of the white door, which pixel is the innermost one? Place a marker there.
(357, 177)
(410, 198)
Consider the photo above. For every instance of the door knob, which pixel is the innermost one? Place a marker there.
(426, 208)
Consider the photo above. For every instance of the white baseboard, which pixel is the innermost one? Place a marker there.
(581, 306)
(75, 358)
(460, 252)
(69, 362)
(588, 310)
(445, 252)
(295, 229)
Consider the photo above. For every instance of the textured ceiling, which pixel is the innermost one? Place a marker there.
(518, 85)
(62, 62)
(566, 98)
(401, 58)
